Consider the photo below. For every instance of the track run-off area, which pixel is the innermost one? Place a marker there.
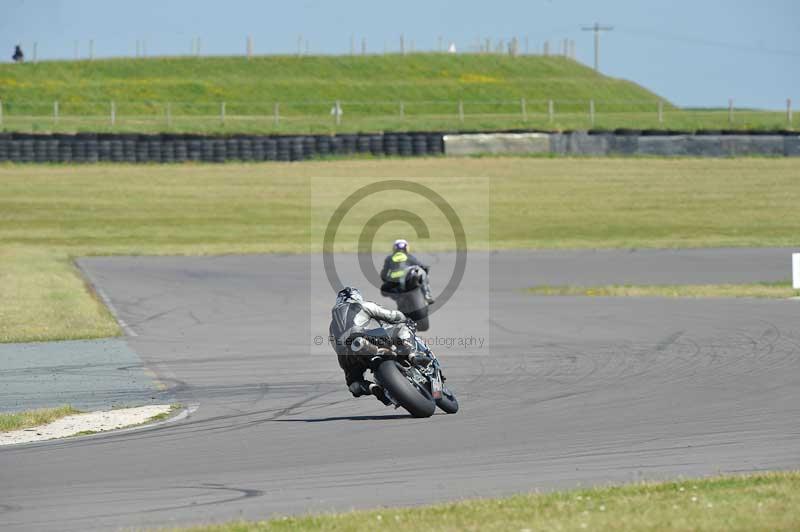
(564, 391)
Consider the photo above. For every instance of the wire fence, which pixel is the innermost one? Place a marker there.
(346, 115)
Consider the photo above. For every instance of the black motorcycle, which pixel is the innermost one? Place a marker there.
(411, 302)
(413, 381)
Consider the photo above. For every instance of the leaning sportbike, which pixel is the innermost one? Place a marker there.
(413, 381)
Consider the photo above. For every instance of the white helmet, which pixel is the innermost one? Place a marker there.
(348, 293)
(401, 244)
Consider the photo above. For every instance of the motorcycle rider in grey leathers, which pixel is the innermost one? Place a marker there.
(352, 316)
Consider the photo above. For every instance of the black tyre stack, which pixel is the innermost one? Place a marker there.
(171, 148)
(391, 144)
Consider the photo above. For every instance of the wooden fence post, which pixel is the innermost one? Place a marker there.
(113, 113)
(730, 110)
(277, 114)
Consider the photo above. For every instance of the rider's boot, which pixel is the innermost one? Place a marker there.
(359, 388)
(377, 391)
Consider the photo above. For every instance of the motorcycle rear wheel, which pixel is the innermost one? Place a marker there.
(413, 397)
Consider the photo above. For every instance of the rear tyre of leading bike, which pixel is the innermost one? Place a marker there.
(412, 396)
(417, 309)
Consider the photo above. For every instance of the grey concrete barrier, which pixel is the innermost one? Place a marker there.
(478, 143)
(710, 144)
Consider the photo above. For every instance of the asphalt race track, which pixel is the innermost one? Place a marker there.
(565, 392)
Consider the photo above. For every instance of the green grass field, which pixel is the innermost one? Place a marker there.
(767, 501)
(766, 290)
(185, 95)
(49, 214)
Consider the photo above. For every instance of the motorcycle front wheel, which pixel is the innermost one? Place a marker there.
(411, 396)
(448, 402)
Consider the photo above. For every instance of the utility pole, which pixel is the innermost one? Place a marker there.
(597, 28)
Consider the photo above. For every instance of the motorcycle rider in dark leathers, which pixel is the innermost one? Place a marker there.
(352, 316)
(397, 268)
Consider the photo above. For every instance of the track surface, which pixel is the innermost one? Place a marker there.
(570, 391)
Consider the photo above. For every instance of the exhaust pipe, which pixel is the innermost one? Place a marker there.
(361, 345)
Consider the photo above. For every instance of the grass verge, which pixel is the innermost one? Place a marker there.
(768, 501)
(47, 217)
(776, 290)
(34, 418)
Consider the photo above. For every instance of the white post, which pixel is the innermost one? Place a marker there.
(796, 271)
(222, 113)
(91, 49)
(524, 110)
(660, 112)
(402, 109)
(460, 111)
(277, 113)
(113, 113)
(789, 110)
(730, 110)
(55, 112)
(337, 111)
(546, 48)
(550, 110)
(591, 112)
(402, 44)
(249, 47)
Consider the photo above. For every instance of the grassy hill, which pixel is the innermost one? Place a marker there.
(379, 92)
(412, 78)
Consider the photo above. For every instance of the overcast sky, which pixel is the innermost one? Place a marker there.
(694, 53)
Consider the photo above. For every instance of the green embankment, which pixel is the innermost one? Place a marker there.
(51, 213)
(377, 93)
(266, 79)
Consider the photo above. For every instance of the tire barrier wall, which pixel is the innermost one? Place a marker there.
(133, 148)
(123, 148)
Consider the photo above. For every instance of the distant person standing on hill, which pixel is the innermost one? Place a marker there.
(18, 56)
